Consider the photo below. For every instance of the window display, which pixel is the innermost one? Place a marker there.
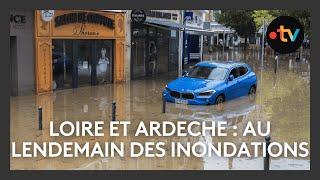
(81, 62)
(154, 51)
(104, 61)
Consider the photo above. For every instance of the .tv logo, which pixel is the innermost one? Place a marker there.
(285, 34)
(282, 31)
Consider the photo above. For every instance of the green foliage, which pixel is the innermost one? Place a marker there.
(246, 22)
(303, 16)
(240, 20)
(260, 15)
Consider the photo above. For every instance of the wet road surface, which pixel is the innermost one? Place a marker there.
(282, 98)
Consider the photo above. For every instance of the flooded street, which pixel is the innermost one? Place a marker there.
(282, 98)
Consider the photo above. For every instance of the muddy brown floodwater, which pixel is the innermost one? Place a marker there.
(282, 98)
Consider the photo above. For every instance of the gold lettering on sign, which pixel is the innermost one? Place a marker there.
(80, 30)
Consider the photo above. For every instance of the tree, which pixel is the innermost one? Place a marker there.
(240, 20)
(302, 15)
(260, 15)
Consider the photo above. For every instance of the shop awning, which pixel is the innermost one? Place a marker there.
(165, 24)
(195, 31)
(207, 32)
(189, 30)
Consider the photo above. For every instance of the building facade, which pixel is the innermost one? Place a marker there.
(22, 76)
(78, 48)
(155, 44)
(221, 36)
(193, 37)
(59, 49)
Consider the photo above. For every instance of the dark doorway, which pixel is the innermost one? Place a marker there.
(173, 52)
(138, 62)
(154, 51)
(84, 59)
(62, 64)
(13, 66)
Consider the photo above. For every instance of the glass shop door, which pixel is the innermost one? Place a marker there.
(77, 63)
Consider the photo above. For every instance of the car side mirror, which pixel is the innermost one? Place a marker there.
(231, 77)
(185, 73)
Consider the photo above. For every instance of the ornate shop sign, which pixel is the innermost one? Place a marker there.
(84, 24)
(162, 15)
(138, 16)
(18, 21)
(80, 30)
(83, 17)
(47, 15)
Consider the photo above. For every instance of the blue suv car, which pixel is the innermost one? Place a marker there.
(211, 82)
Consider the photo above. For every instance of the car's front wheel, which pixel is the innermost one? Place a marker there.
(252, 90)
(219, 103)
(252, 93)
(219, 99)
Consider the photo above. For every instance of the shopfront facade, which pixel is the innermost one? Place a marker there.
(193, 37)
(155, 44)
(75, 48)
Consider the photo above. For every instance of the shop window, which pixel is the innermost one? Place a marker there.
(81, 63)
(62, 64)
(139, 32)
(105, 59)
(152, 31)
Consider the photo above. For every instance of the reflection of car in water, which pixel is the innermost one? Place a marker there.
(233, 112)
(211, 82)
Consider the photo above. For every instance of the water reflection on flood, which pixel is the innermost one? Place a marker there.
(282, 98)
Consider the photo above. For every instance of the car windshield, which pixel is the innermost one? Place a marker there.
(205, 72)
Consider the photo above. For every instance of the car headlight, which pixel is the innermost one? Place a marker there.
(207, 93)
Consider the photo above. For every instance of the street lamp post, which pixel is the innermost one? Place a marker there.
(223, 42)
(262, 46)
(181, 44)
